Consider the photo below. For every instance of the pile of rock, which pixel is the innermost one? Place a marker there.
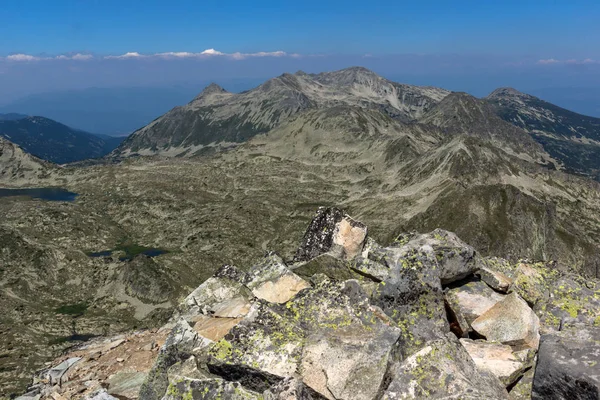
(349, 319)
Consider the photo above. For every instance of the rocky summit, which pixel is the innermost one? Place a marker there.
(426, 317)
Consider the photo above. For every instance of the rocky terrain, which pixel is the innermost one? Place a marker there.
(143, 232)
(217, 118)
(346, 318)
(570, 137)
(53, 141)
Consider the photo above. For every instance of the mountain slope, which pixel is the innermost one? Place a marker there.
(570, 137)
(217, 118)
(53, 141)
(17, 165)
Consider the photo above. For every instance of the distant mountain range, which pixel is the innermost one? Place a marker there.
(111, 111)
(12, 116)
(55, 142)
(219, 119)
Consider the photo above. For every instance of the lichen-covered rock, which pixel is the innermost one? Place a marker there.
(472, 299)
(412, 297)
(225, 286)
(495, 279)
(531, 283)
(499, 359)
(291, 389)
(272, 281)
(455, 258)
(442, 369)
(179, 346)
(350, 363)
(510, 321)
(332, 231)
(568, 365)
(208, 389)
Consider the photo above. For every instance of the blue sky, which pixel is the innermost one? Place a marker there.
(543, 28)
(469, 45)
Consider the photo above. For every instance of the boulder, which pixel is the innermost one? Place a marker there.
(179, 346)
(272, 281)
(499, 359)
(208, 389)
(412, 297)
(126, 384)
(568, 365)
(334, 232)
(442, 369)
(511, 322)
(496, 280)
(224, 291)
(291, 389)
(472, 299)
(455, 258)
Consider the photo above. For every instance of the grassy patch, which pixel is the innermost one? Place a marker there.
(72, 309)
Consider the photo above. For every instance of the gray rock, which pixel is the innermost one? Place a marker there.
(412, 297)
(225, 286)
(499, 359)
(456, 259)
(126, 384)
(496, 280)
(55, 374)
(272, 281)
(472, 299)
(568, 365)
(179, 346)
(332, 231)
(510, 321)
(208, 389)
(291, 389)
(442, 369)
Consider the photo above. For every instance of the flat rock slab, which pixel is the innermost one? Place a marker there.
(511, 322)
(498, 359)
(568, 365)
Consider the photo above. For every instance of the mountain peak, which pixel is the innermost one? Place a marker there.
(210, 90)
(213, 88)
(507, 92)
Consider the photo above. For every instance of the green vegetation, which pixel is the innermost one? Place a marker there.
(72, 309)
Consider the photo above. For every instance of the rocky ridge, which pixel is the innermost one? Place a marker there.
(572, 138)
(426, 317)
(53, 141)
(18, 166)
(219, 119)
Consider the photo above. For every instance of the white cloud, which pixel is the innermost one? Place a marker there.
(131, 54)
(81, 57)
(548, 61)
(212, 52)
(208, 53)
(22, 57)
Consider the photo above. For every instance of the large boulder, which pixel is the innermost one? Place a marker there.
(442, 369)
(455, 258)
(511, 322)
(568, 365)
(334, 232)
(472, 299)
(272, 281)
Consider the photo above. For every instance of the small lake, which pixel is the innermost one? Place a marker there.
(130, 252)
(49, 194)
